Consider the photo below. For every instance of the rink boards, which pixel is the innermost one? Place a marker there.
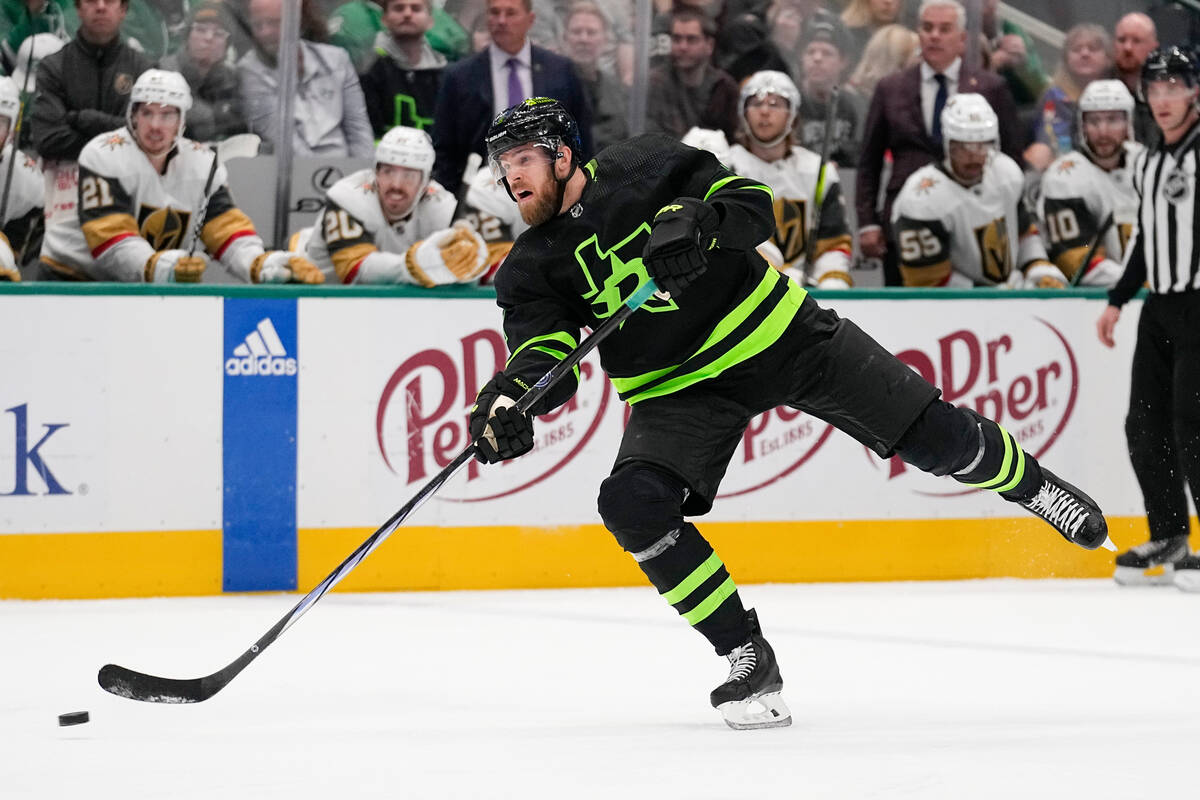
(216, 439)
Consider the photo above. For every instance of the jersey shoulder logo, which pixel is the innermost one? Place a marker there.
(925, 186)
(1066, 166)
(614, 274)
(114, 141)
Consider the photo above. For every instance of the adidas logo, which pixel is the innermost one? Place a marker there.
(261, 354)
(1059, 508)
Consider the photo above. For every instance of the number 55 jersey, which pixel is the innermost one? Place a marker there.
(952, 235)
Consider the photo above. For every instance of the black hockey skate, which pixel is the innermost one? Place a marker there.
(1187, 573)
(1151, 563)
(750, 697)
(1071, 512)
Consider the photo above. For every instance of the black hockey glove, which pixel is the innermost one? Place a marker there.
(681, 235)
(499, 431)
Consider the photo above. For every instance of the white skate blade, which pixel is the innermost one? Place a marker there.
(1162, 575)
(1187, 580)
(1108, 544)
(760, 711)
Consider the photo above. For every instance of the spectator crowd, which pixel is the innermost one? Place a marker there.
(850, 109)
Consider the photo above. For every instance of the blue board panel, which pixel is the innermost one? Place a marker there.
(259, 453)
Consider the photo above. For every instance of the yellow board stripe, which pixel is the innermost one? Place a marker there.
(86, 565)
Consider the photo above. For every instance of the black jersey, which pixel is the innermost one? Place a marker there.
(575, 270)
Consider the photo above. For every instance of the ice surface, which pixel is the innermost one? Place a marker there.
(979, 689)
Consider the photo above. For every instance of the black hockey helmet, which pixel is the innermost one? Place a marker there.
(538, 119)
(1171, 63)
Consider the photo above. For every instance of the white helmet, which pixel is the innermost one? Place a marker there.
(1105, 95)
(969, 118)
(763, 83)
(10, 101)
(163, 87)
(407, 147)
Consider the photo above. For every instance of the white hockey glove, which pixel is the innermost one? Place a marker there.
(1044, 275)
(710, 140)
(175, 266)
(831, 270)
(453, 255)
(281, 266)
(1106, 273)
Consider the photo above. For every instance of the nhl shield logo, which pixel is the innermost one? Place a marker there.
(1177, 186)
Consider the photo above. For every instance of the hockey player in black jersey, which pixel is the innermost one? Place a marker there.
(729, 337)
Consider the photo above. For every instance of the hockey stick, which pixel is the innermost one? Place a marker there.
(16, 135)
(810, 243)
(242, 145)
(474, 160)
(134, 685)
(1083, 265)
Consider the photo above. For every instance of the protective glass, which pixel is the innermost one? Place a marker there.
(971, 148)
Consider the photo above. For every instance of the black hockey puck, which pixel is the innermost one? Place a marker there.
(74, 718)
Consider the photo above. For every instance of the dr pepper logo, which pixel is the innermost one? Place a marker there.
(421, 421)
(1024, 376)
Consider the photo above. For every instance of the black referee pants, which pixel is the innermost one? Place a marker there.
(1163, 424)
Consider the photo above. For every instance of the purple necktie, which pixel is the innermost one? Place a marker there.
(515, 93)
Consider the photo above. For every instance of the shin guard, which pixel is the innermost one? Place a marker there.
(641, 507)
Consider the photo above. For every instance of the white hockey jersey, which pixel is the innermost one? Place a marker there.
(792, 180)
(26, 195)
(351, 227)
(952, 235)
(1077, 197)
(127, 211)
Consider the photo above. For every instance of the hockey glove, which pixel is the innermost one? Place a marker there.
(1044, 275)
(453, 255)
(282, 266)
(174, 266)
(682, 234)
(7, 274)
(499, 431)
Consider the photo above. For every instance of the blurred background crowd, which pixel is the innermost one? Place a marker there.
(447, 66)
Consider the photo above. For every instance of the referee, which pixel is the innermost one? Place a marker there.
(1163, 424)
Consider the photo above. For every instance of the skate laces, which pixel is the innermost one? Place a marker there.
(742, 661)
(1154, 547)
(1059, 507)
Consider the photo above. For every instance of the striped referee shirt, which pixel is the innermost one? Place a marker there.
(1164, 252)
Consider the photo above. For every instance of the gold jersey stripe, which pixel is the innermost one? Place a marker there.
(102, 230)
(219, 230)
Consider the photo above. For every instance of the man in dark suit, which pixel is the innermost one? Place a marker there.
(904, 118)
(508, 71)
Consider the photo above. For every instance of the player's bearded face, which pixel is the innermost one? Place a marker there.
(968, 159)
(156, 127)
(529, 170)
(397, 187)
(1105, 131)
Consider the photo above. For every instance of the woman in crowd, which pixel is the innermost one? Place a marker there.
(1087, 56)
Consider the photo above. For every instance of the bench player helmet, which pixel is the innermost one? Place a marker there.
(968, 118)
(163, 87)
(407, 147)
(761, 84)
(1105, 95)
(540, 121)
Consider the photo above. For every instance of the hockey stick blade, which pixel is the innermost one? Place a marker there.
(134, 685)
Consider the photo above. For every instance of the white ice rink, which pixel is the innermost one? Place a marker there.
(980, 689)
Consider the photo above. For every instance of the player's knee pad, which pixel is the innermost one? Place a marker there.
(943, 440)
(640, 505)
